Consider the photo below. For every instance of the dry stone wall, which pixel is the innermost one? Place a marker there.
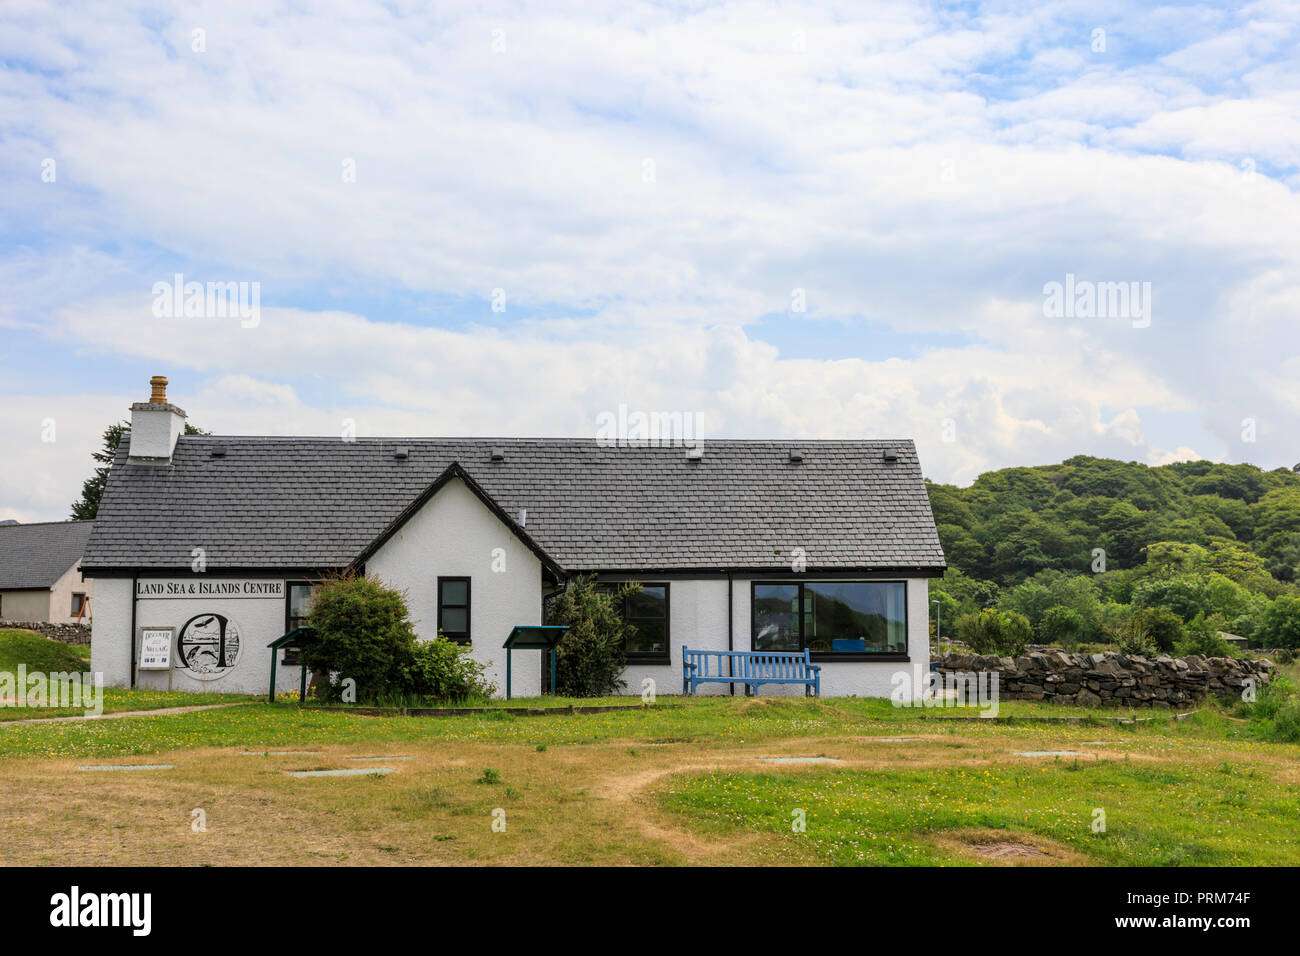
(66, 633)
(1111, 678)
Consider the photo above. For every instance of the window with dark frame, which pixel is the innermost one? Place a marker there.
(647, 611)
(835, 620)
(78, 603)
(453, 609)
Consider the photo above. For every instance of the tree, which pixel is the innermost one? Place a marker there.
(1280, 623)
(92, 489)
(590, 657)
(363, 634)
(1162, 626)
(1061, 625)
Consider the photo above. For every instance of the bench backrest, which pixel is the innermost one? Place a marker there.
(790, 665)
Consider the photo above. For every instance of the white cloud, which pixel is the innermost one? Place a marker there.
(928, 170)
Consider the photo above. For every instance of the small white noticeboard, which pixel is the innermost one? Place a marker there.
(156, 648)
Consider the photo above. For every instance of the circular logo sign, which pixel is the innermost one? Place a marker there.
(209, 645)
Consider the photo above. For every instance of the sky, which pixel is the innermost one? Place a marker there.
(799, 220)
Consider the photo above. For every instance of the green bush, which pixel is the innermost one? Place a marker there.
(1132, 637)
(590, 657)
(1202, 637)
(1061, 625)
(1164, 628)
(995, 632)
(1280, 623)
(1275, 714)
(444, 670)
(364, 634)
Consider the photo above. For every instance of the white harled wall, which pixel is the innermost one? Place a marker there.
(455, 535)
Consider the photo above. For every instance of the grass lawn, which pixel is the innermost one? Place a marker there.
(690, 781)
(705, 780)
(40, 654)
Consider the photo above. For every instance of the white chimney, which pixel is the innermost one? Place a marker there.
(155, 425)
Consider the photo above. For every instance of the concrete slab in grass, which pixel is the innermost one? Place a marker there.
(801, 760)
(349, 772)
(130, 766)
(1051, 753)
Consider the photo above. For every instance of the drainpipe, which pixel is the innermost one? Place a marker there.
(730, 642)
(133, 592)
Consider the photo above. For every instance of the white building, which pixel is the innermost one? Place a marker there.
(39, 579)
(212, 543)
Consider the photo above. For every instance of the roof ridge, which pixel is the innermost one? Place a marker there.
(32, 524)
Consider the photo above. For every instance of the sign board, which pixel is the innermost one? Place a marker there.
(156, 648)
(200, 588)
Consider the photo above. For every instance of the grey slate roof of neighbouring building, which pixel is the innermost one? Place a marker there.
(317, 503)
(37, 555)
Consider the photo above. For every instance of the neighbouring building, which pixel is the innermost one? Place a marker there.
(214, 542)
(40, 581)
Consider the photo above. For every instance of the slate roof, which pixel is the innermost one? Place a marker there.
(317, 503)
(37, 555)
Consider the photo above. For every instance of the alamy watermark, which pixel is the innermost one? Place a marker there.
(62, 689)
(977, 689)
(208, 300)
(635, 428)
(1084, 299)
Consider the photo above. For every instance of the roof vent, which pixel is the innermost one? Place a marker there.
(523, 517)
(796, 455)
(401, 452)
(695, 453)
(498, 453)
(890, 454)
(218, 451)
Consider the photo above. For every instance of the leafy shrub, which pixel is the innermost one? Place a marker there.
(1061, 625)
(995, 632)
(1202, 637)
(1286, 656)
(1132, 637)
(444, 670)
(1164, 628)
(1275, 714)
(1280, 623)
(590, 657)
(364, 633)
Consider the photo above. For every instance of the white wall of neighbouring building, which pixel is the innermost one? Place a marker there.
(28, 604)
(456, 535)
(61, 597)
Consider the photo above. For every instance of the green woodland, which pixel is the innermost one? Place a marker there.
(1100, 552)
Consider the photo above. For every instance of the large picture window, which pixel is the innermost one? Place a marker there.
(453, 609)
(831, 618)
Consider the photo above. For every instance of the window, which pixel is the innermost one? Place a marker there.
(647, 611)
(866, 619)
(453, 609)
(78, 604)
(297, 607)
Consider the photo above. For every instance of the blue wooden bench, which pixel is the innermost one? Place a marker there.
(750, 668)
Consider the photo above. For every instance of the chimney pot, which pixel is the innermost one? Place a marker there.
(155, 426)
